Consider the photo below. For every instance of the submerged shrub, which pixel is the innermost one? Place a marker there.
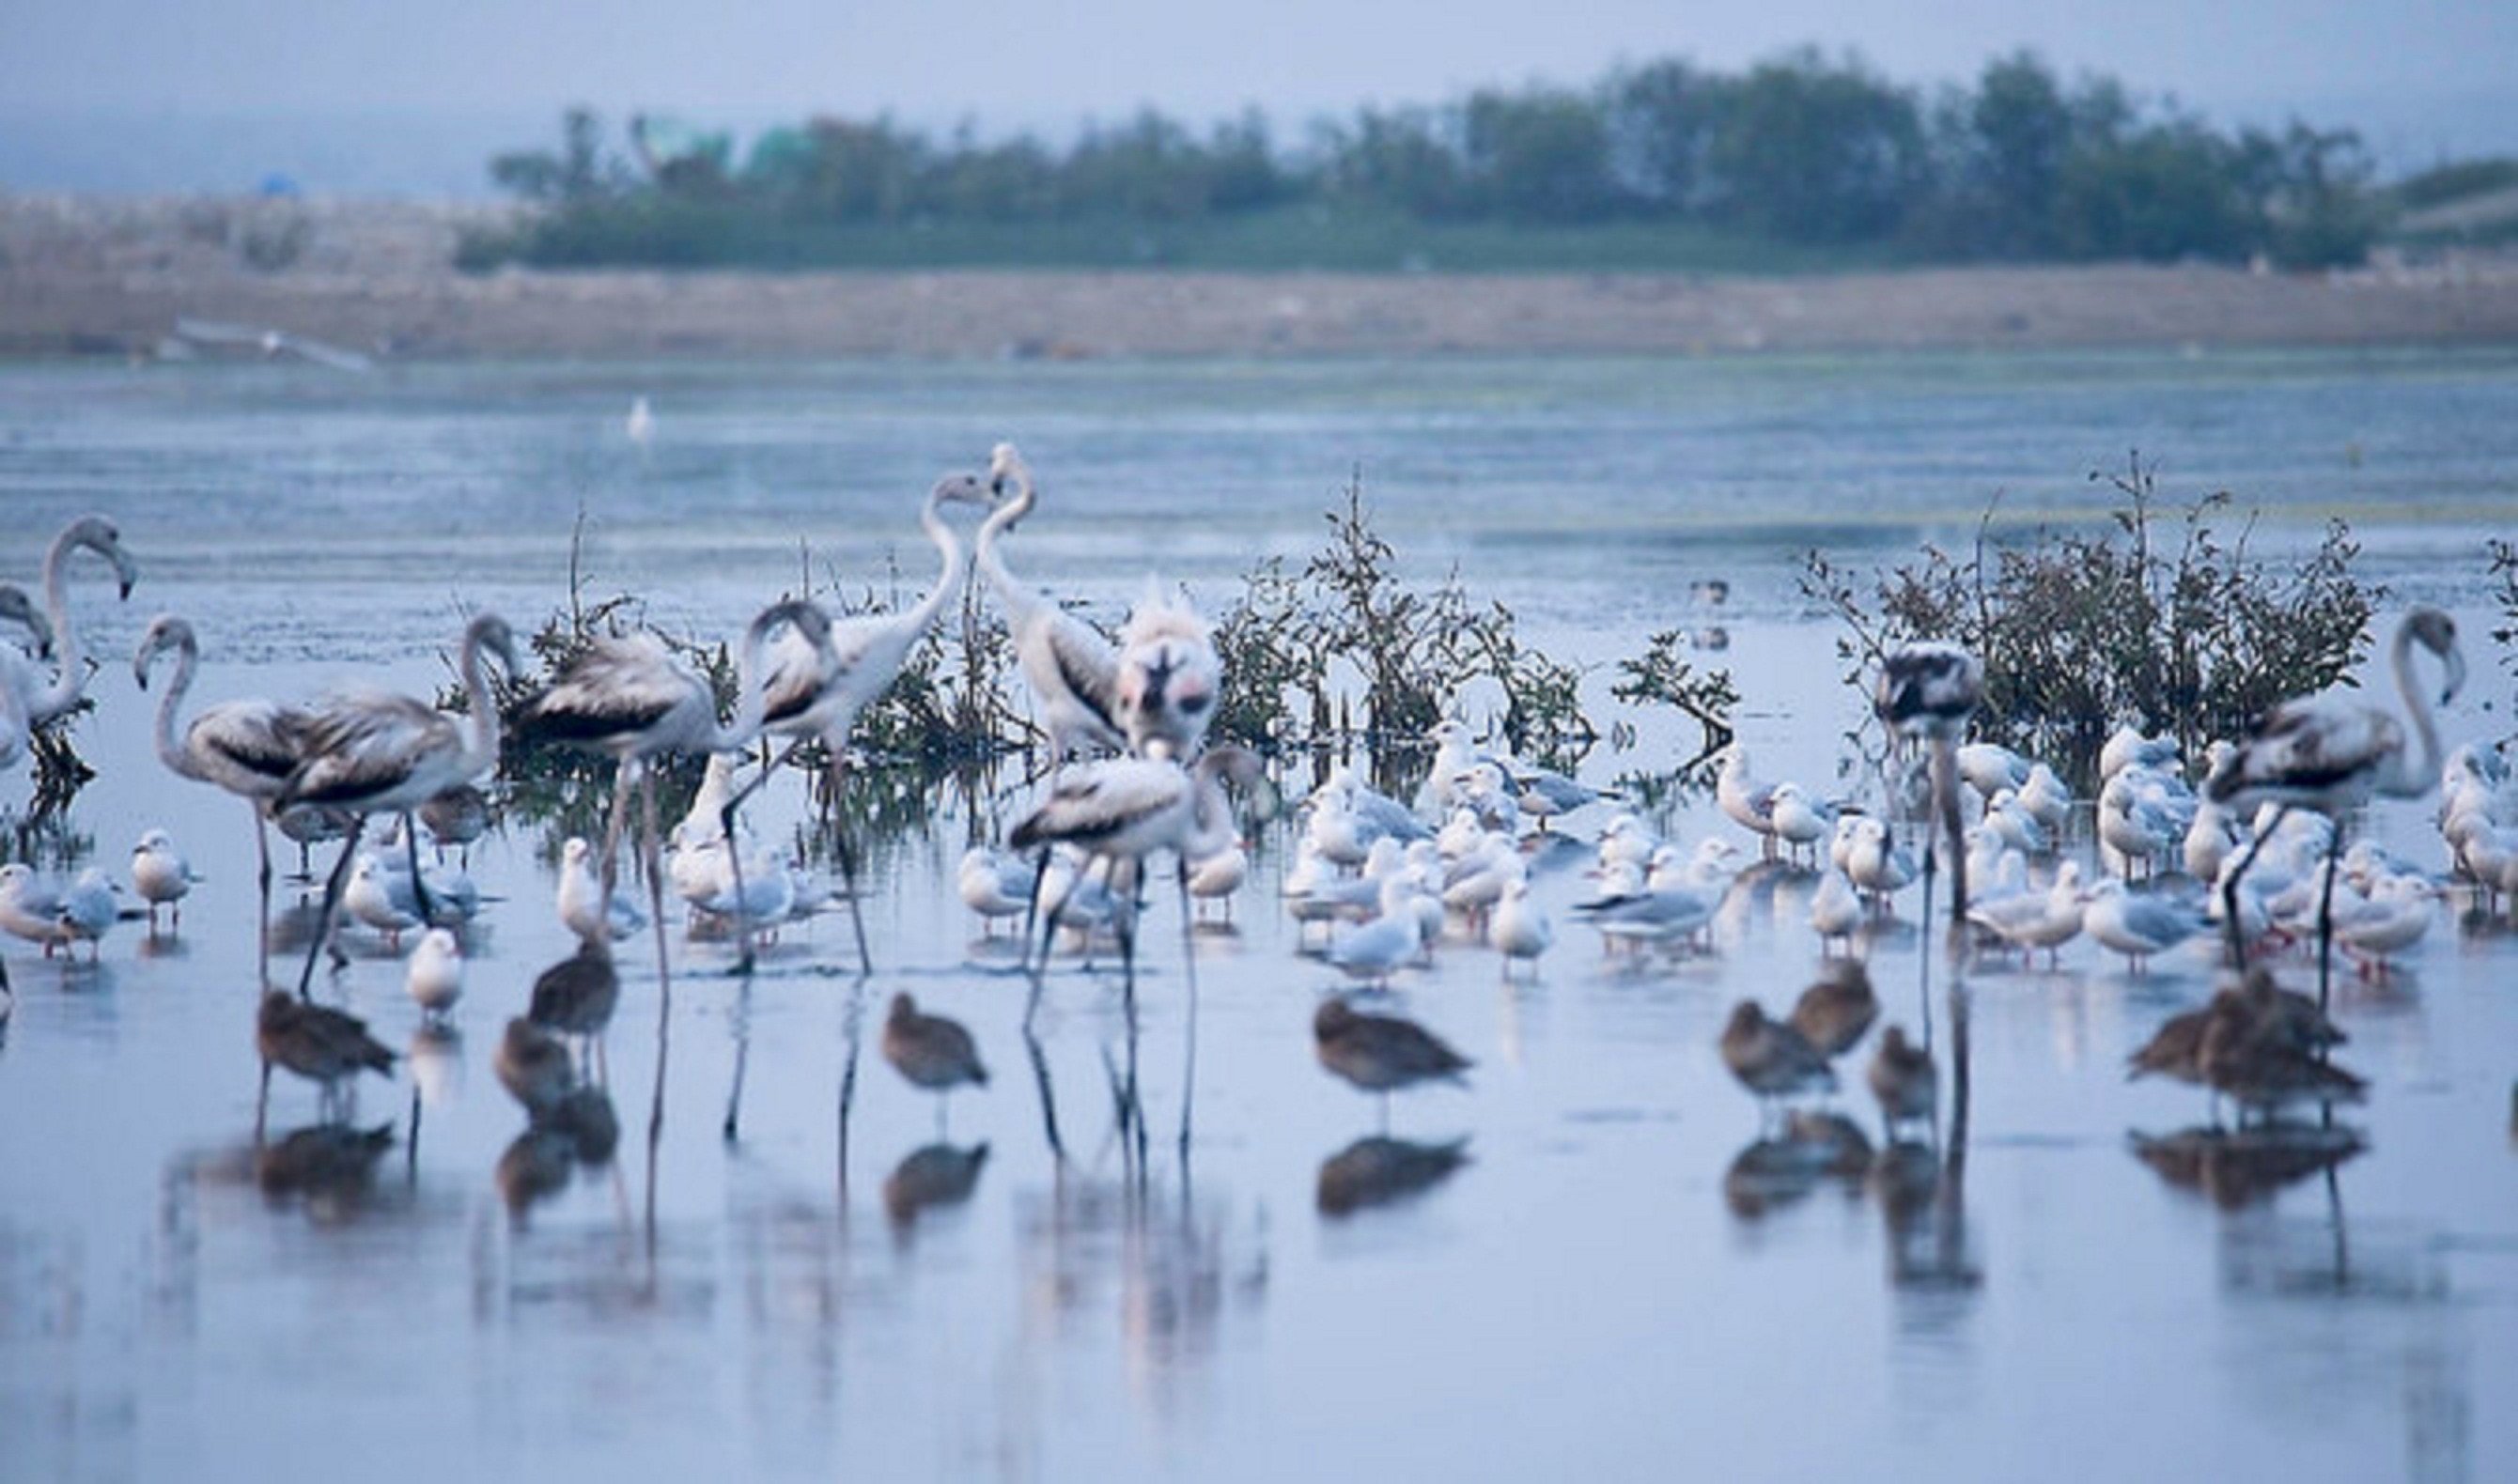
(2155, 621)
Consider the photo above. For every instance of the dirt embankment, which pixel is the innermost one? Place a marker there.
(113, 277)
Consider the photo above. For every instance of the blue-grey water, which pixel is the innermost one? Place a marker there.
(1586, 1297)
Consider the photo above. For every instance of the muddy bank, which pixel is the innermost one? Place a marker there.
(79, 277)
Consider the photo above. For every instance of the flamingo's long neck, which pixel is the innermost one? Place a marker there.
(1019, 602)
(64, 692)
(188, 658)
(948, 581)
(2405, 780)
(482, 755)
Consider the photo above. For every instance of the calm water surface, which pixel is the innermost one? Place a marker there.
(1585, 1295)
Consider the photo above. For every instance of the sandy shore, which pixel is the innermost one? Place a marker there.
(97, 277)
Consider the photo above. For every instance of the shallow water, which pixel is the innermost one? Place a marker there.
(1586, 1295)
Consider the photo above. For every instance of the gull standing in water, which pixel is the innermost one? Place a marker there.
(161, 876)
(2332, 753)
(824, 672)
(382, 754)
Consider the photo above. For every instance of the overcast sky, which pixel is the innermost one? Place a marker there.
(2422, 76)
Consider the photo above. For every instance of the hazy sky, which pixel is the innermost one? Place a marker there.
(2422, 76)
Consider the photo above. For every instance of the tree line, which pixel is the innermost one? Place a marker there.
(1811, 149)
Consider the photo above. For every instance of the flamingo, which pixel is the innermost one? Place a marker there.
(38, 701)
(247, 747)
(19, 608)
(628, 697)
(1073, 670)
(825, 672)
(375, 753)
(1169, 676)
(1927, 689)
(2331, 753)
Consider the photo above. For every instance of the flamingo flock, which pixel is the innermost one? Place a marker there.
(2247, 859)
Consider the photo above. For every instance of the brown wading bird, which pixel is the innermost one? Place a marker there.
(933, 1051)
(1381, 1053)
(1904, 1080)
(2248, 1042)
(1771, 1058)
(576, 996)
(1832, 1013)
(319, 1043)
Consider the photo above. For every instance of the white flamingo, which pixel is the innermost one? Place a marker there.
(1169, 676)
(247, 747)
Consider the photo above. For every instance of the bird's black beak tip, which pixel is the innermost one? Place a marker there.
(126, 592)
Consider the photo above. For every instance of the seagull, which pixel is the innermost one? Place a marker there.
(1750, 803)
(1835, 912)
(1519, 930)
(1371, 952)
(435, 978)
(88, 911)
(1216, 878)
(2033, 920)
(581, 904)
(995, 884)
(1989, 768)
(272, 344)
(2139, 925)
(160, 875)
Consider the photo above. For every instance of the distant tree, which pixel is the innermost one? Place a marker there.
(1660, 120)
(2161, 190)
(1405, 158)
(1815, 150)
(2020, 134)
(1541, 155)
(580, 172)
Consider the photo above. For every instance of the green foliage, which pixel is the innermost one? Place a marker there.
(1663, 676)
(2504, 584)
(1805, 149)
(2155, 620)
(1417, 649)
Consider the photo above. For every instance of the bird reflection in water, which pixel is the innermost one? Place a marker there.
(1379, 1170)
(1775, 1171)
(581, 1127)
(332, 1166)
(931, 1178)
(2237, 1170)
